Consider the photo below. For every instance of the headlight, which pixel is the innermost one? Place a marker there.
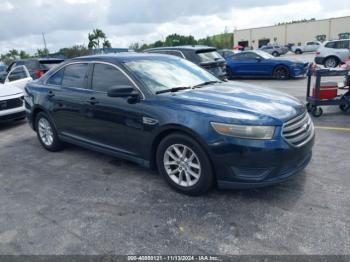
(243, 131)
(296, 65)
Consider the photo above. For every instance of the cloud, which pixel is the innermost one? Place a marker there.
(67, 22)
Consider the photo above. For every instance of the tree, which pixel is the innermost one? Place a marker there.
(42, 52)
(24, 55)
(98, 39)
(74, 51)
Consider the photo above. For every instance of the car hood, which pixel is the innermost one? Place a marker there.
(6, 90)
(239, 101)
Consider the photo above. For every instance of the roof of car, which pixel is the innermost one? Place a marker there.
(183, 47)
(120, 56)
(41, 59)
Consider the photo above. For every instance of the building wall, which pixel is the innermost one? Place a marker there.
(294, 33)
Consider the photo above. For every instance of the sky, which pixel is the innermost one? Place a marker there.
(68, 22)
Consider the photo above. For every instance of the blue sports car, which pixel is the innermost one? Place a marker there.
(261, 64)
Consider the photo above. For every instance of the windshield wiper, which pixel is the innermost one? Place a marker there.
(173, 90)
(206, 83)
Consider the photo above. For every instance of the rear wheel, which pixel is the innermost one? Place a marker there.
(298, 52)
(281, 73)
(344, 108)
(331, 62)
(275, 54)
(184, 165)
(46, 133)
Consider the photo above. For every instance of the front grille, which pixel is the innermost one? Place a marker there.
(299, 131)
(11, 103)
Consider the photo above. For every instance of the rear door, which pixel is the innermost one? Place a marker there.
(18, 77)
(68, 94)
(114, 123)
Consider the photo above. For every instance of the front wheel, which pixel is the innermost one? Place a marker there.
(184, 165)
(46, 133)
(275, 54)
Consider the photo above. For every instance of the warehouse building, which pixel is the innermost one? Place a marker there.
(295, 33)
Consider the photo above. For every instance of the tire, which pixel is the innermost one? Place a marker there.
(275, 54)
(298, 52)
(331, 62)
(47, 133)
(281, 73)
(317, 111)
(179, 170)
(344, 108)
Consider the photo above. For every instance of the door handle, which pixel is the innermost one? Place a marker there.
(51, 94)
(93, 101)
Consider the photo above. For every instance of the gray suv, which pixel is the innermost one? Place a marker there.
(275, 50)
(204, 56)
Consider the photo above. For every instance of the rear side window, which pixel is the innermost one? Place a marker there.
(246, 56)
(107, 76)
(30, 64)
(338, 44)
(209, 56)
(74, 75)
(47, 65)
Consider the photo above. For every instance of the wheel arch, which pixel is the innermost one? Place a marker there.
(281, 65)
(175, 128)
(38, 109)
(331, 56)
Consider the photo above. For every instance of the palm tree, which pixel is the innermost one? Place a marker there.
(96, 38)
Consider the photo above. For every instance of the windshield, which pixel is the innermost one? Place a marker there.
(263, 54)
(162, 74)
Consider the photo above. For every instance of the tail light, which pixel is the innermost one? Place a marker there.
(318, 53)
(39, 73)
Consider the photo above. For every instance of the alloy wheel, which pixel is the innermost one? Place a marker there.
(331, 62)
(182, 165)
(45, 132)
(281, 73)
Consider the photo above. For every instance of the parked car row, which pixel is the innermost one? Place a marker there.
(36, 67)
(204, 56)
(275, 50)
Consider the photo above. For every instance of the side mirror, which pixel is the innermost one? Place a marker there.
(123, 91)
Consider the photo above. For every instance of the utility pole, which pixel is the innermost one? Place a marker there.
(44, 40)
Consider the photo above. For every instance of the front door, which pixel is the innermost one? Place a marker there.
(114, 122)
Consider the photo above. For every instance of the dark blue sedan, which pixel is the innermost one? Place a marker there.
(167, 113)
(261, 64)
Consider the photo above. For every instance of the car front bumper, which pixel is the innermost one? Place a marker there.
(12, 116)
(299, 71)
(253, 167)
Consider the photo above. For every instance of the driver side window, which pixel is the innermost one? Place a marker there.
(106, 76)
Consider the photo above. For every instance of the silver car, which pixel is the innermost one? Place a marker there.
(275, 50)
